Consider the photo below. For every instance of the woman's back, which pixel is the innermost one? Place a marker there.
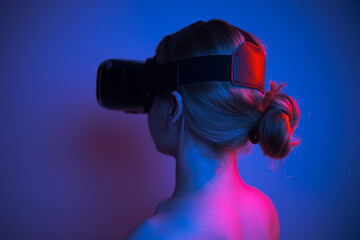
(250, 215)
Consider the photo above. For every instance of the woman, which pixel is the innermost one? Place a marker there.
(204, 126)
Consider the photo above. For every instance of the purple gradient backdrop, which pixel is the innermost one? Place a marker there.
(72, 170)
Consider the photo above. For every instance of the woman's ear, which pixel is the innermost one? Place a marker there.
(175, 109)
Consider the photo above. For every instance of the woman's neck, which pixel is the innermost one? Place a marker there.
(202, 173)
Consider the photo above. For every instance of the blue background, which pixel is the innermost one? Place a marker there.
(72, 170)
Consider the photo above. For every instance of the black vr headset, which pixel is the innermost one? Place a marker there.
(130, 86)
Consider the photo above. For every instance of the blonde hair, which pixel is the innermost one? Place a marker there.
(224, 116)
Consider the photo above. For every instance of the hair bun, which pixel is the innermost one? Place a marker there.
(271, 95)
(280, 117)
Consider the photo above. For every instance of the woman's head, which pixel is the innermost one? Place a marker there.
(223, 116)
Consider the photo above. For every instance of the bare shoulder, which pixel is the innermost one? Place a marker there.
(144, 230)
(266, 213)
(159, 226)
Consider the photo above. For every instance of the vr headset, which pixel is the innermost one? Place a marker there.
(130, 86)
